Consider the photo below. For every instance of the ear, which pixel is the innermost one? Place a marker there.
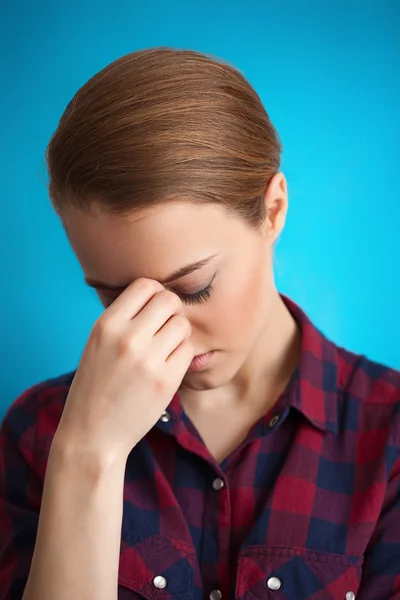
(276, 204)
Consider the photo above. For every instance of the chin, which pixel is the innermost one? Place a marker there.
(209, 379)
(198, 382)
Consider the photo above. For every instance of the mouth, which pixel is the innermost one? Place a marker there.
(200, 361)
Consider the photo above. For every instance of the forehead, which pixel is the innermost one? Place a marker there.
(151, 242)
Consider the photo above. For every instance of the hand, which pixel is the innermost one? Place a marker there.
(133, 363)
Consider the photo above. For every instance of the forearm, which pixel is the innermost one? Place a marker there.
(78, 541)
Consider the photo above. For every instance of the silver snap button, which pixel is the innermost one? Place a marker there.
(274, 583)
(273, 421)
(215, 595)
(159, 582)
(165, 417)
(350, 596)
(218, 484)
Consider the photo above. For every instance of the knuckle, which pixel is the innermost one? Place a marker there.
(161, 385)
(154, 375)
(187, 350)
(127, 346)
(171, 299)
(181, 323)
(102, 328)
(148, 285)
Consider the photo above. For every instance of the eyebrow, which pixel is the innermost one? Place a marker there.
(173, 277)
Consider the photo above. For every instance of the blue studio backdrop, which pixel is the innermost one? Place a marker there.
(328, 75)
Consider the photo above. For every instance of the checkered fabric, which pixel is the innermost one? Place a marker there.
(306, 508)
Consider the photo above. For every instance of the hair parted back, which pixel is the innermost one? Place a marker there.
(159, 125)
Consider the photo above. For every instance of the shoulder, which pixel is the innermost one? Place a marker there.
(36, 412)
(369, 394)
(367, 380)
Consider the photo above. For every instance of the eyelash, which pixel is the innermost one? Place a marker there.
(198, 297)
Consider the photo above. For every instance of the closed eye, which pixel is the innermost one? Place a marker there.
(190, 299)
(198, 297)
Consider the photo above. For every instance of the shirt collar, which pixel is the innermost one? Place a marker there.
(313, 388)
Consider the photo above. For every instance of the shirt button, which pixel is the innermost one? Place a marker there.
(218, 484)
(274, 583)
(165, 417)
(273, 421)
(215, 595)
(350, 596)
(159, 582)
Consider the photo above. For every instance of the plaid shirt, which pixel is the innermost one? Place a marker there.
(307, 507)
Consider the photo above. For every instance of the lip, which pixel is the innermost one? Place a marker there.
(200, 361)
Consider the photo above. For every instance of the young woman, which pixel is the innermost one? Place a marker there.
(212, 442)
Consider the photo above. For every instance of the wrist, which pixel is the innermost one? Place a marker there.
(82, 456)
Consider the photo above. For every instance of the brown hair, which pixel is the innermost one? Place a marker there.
(160, 125)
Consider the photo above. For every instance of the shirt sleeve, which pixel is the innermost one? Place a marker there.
(20, 497)
(381, 572)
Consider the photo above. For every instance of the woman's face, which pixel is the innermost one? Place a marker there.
(227, 300)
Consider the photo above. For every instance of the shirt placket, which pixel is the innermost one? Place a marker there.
(217, 519)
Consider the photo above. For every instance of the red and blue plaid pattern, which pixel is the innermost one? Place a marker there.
(309, 508)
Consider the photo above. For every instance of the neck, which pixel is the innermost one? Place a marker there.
(274, 357)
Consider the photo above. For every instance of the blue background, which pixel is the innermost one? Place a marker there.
(328, 74)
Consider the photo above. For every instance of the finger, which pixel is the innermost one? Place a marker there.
(175, 331)
(179, 361)
(155, 314)
(132, 300)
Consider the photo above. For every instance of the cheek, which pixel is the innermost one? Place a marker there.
(249, 298)
(240, 304)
